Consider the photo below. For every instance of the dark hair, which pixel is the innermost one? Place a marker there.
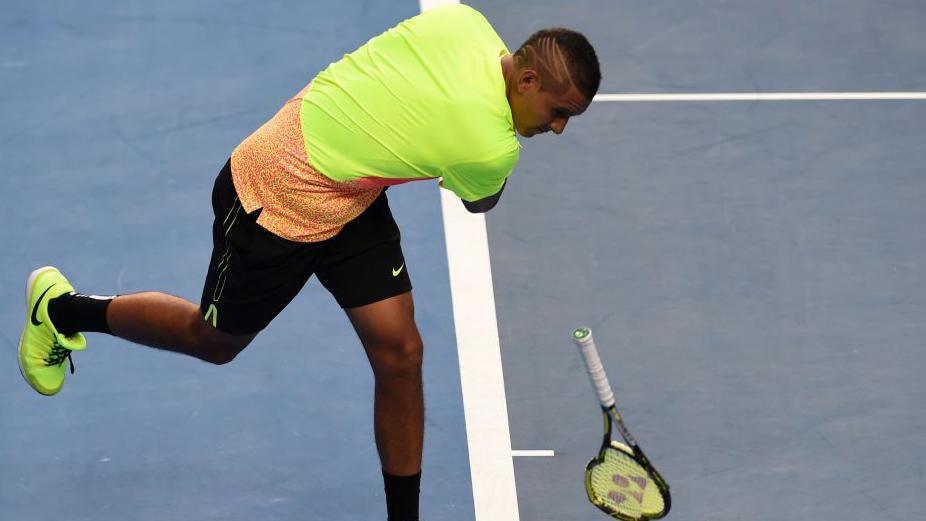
(580, 57)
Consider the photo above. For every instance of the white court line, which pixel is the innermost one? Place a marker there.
(485, 409)
(532, 453)
(481, 378)
(765, 96)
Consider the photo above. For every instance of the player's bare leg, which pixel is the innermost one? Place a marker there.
(174, 324)
(390, 337)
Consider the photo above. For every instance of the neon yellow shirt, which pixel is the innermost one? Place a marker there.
(425, 99)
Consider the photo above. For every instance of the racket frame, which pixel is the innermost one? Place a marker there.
(612, 419)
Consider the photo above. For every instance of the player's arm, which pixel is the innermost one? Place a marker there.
(485, 204)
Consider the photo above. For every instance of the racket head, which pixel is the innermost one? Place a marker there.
(620, 484)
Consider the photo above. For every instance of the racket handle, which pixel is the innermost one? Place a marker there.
(586, 345)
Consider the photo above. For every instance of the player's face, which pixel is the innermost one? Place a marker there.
(536, 110)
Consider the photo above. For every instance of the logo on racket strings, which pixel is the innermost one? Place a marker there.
(633, 486)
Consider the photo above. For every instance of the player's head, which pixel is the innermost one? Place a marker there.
(557, 75)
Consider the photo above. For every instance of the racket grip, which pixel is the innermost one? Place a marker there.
(586, 345)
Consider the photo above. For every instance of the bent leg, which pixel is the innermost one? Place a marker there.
(393, 346)
(252, 276)
(173, 324)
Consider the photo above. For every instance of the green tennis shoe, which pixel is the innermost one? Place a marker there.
(42, 349)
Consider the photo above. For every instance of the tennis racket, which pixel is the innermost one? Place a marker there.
(620, 480)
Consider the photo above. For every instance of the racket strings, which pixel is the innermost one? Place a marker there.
(622, 485)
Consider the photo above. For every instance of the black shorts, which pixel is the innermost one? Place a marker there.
(254, 273)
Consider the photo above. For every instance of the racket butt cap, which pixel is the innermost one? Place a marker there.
(581, 333)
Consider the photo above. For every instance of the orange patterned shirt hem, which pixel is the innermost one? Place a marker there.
(271, 170)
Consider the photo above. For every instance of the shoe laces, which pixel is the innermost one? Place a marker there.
(58, 354)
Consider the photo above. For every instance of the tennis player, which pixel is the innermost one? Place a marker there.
(437, 97)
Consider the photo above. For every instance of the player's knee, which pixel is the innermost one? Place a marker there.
(218, 347)
(218, 354)
(399, 360)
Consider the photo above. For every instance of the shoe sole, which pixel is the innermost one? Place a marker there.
(29, 283)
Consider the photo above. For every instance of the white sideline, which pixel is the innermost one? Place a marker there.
(481, 378)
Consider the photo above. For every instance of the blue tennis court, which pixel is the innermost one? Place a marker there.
(753, 270)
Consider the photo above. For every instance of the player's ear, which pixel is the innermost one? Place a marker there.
(528, 79)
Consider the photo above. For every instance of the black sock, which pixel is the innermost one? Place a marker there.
(402, 496)
(74, 313)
